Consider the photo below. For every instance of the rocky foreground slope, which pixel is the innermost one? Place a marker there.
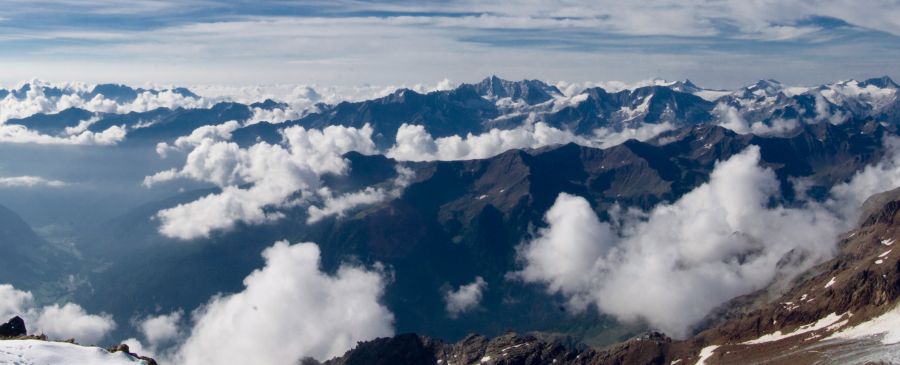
(843, 311)
(19, 348)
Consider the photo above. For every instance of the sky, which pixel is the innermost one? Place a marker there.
(716, 43)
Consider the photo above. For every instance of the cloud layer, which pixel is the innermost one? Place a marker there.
(388, 41)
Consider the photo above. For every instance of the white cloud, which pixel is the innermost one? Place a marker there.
(162, 329)
(258, 180)
(288, 310)
(205, 134)
(10, 133)
(337, 205)
(75, 96)
(883, 176)
(70, 320)
(279, 175)
(606, 137)
(564, 254)
(29, 182)
(672, 265)
(64, 321)
(414, 143)
(465, 298)
(274, 116)
(730, 117)
(15, 303)
(639, 38)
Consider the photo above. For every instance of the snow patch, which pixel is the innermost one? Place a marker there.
(830, 321)
(705, 354)
(35, 352)
(830, 282)
(887, 326)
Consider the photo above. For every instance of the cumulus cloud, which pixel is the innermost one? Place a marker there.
(161, 334)
(220, 132)
(607, 137)
(730, 117)
(70, 320)
(883, 176)
(274, 116)
(14, 133)
(29, 182)
(289, 310)
(465, 298)
(162, 329)
(259, 180)
(57, 321)
(338, 205)
(279, 175)
(414, 143)
(35, 101)
(672, 265)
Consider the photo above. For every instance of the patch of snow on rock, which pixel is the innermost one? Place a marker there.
(35, 352)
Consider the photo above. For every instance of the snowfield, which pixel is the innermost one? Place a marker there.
(36, 352)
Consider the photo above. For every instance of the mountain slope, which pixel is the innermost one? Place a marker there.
(28, 260)
(845, 310)
(462, 219)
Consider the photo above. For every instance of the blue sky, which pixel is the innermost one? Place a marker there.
(717, 43)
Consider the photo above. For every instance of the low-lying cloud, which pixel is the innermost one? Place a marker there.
(14, 133)
(672, 265)
(278, 175)
(259, 180)
(465, 298)
(287, 311)
(68, 320)
(338, 205)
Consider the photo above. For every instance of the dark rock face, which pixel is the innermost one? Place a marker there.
(14, 328)
(508, 349)
(124, 348)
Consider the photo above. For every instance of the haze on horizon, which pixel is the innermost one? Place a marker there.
(721, 44)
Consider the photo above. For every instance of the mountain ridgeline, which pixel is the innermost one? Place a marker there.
(480, 107)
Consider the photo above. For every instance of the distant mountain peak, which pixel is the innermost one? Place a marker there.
(767, 87)
(685, 86)
(531, 91)
(883, 82)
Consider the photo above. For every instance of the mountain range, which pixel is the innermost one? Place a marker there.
(491, 103)
(453, 222)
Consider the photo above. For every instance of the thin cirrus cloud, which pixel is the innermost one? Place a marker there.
(341, 42)
(29, 182)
